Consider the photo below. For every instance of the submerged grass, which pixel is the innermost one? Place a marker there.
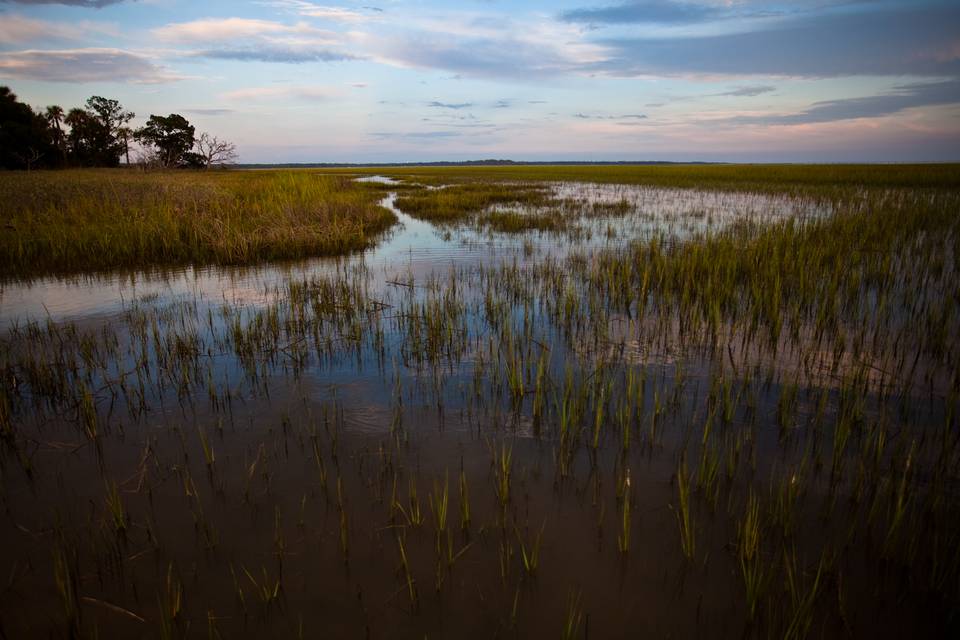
(70, 221)
(511, 221)
(457, 202)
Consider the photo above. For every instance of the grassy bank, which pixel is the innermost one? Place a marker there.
(68, 221)
(74, 221)
(770, 178)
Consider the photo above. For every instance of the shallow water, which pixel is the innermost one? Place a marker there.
(411, 247)
(281, 438)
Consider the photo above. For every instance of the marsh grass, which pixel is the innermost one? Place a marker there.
(573, 617)
(685, 519)
(739, 177)
(458, 202)
(69, 221)
(752, 566)
(513, 221)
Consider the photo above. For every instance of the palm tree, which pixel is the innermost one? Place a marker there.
(77, 119)
(54, 116)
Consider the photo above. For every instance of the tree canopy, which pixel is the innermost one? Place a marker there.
(25, 139)
(171, 135)
(99, 135)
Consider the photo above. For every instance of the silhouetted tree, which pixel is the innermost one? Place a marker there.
(125, 135)
(106, 145)
(95, 137)
(25, 140)
(86, 133)
(99, 136)
(193, 160)
(215, 151)
(171, 135)
(54, 116)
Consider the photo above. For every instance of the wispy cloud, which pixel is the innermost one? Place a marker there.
(888, 40)
(645, 11)
(330, 13)
(742, 91)
(82, 65)
(228, 29)
(449, 105)
(285, 92)
(254, 40)
(480, 57)
(750, 91)
(273, 54)
(885, 104)
(487, 46)
(628, 116)
(17, 29)
(93, 4)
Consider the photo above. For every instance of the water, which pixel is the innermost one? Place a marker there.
(412, 247)
(281, 438)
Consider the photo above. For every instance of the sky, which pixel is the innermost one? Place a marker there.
(428, 80)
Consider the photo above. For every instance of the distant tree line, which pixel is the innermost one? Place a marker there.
(99, 135)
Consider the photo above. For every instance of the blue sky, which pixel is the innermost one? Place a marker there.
(389, 80)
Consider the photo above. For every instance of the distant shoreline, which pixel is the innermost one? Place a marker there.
(464, 163)
(556, 163)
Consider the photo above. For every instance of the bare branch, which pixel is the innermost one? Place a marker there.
(215, 151)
